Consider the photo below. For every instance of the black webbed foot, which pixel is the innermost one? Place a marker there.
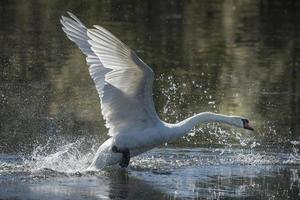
(125, 156)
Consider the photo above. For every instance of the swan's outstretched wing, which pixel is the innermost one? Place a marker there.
(123, 80)
(77, 32)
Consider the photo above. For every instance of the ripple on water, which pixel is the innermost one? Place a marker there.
(180, 158)
(69, 159)
(180, 172)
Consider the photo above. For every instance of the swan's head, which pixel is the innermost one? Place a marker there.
(242, 123)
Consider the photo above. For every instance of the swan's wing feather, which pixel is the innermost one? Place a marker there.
(77, 32)
(123, 80)
(127, 102)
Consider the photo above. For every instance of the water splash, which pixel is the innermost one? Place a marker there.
(211, 133)
(66, 157)
(62, 156)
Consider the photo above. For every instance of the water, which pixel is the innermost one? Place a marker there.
(164, 173)
(231, 57)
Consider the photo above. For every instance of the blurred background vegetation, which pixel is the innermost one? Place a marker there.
(226, 56)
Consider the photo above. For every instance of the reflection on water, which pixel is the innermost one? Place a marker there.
(232, 57)
(160, 174)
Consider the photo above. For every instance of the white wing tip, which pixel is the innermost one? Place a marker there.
(71, 17)
(70, 14)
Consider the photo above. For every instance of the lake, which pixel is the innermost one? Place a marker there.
(231, 57)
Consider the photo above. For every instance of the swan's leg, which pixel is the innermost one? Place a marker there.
(125, 156)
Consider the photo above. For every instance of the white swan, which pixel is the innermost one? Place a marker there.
(124, 83)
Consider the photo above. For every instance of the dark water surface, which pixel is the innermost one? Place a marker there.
(231, 57)
(168, 173)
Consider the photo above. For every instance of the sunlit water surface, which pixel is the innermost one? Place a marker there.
(225, 56)
(164, 173)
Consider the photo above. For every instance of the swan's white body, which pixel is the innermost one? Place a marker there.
(137, 142)
(124, 83)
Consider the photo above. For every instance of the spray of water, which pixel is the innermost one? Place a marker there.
(62, 156)
(212, 133)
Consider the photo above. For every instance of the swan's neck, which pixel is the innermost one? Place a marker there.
(183, 127)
